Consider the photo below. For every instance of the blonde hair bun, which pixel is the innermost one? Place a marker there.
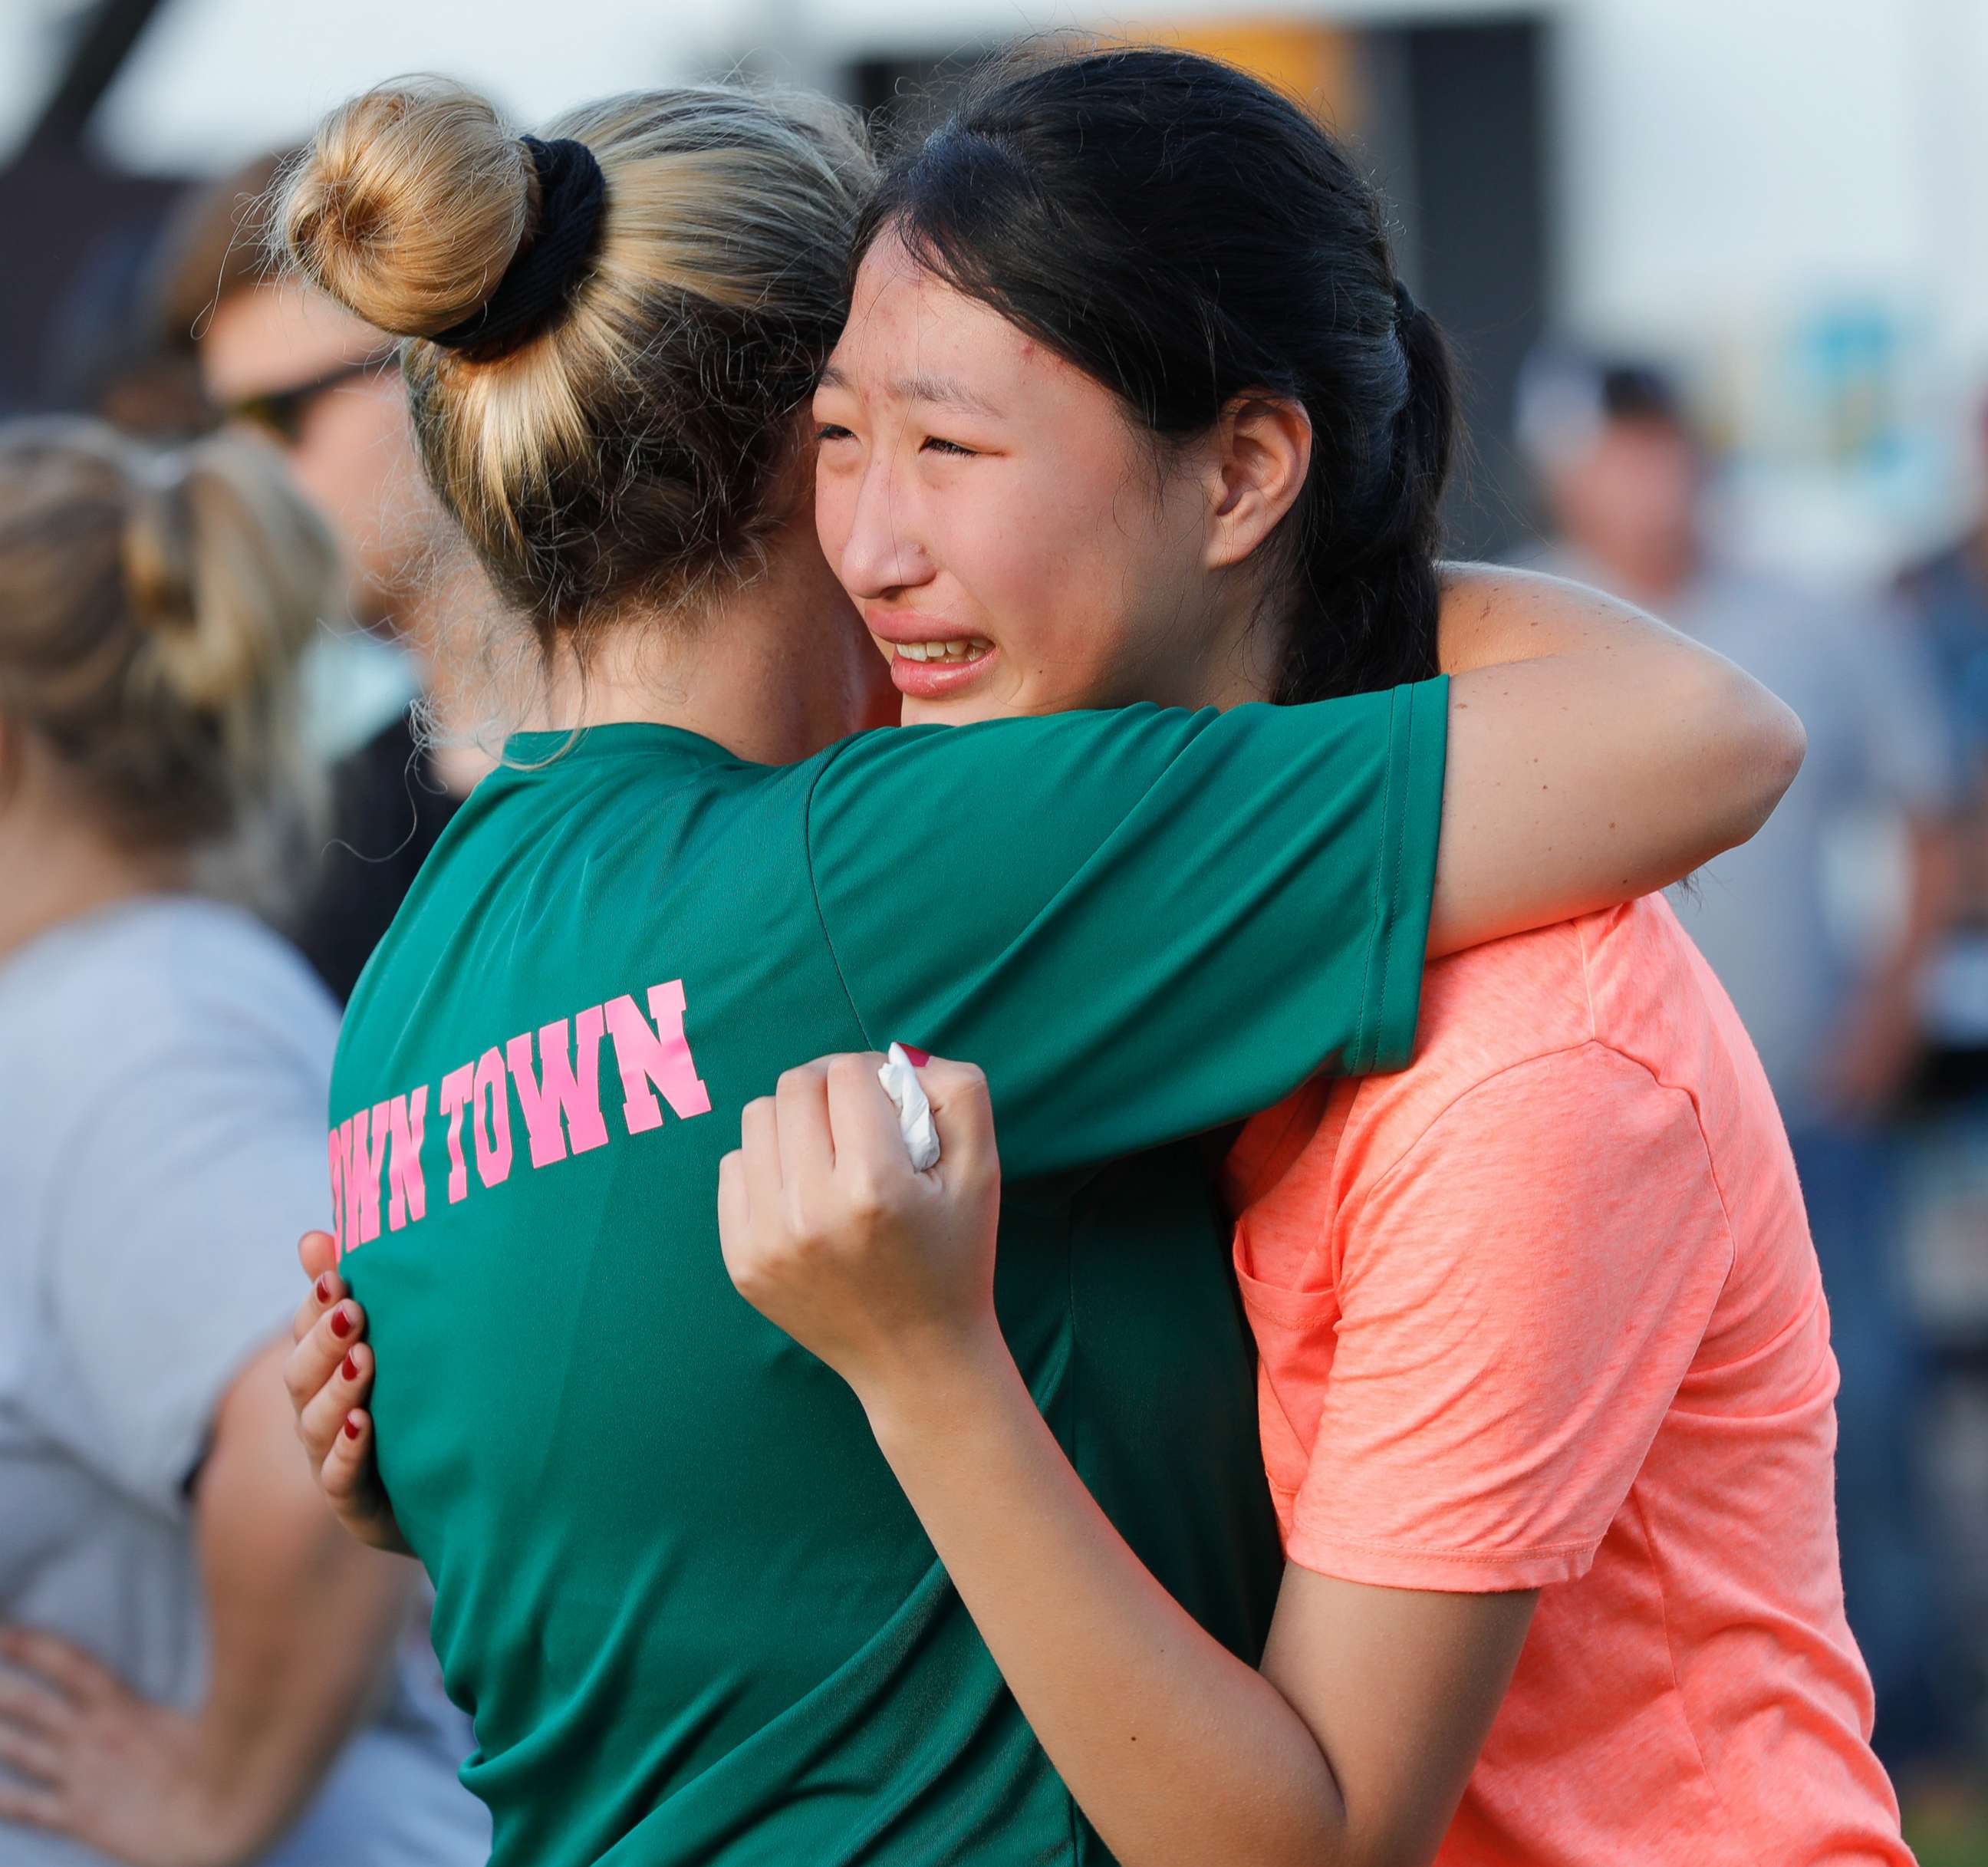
(635, 452)
(409, 206)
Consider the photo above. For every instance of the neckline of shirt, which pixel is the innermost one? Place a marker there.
(536, 754)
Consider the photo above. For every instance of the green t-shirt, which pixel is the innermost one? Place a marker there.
(677, 1586)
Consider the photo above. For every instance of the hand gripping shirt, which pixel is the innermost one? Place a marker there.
(677, 1586)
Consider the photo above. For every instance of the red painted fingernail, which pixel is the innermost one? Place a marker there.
(352, 1426)
(322, 1287)
(341, 1321)
(350, 1369)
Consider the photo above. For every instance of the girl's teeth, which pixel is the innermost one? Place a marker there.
(943, 651)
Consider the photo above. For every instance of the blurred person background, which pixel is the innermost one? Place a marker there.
(1945, 595)
(181, 327)
(1835, 1006)
(272, 357)
(164, 1558)
(1786, 209)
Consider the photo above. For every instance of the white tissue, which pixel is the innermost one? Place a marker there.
(914, 1116)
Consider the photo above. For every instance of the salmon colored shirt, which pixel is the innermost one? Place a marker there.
(1541, 1311)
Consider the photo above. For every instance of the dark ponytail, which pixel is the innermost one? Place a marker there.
(1373, 601)
(1185, 235)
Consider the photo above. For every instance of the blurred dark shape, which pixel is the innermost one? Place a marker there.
(1466, 155)
(76, 236)
(1634, 392)
(109, 273)
(213, 244)
(125, 343)
(71, 329)
(104, 39)
(1637, 392)
(323, 387)
(1838, 1028)
(1947, 595)
(390, 806)
(1566, 396)
(109, 353)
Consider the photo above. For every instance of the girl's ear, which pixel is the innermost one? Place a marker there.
(1260, 455)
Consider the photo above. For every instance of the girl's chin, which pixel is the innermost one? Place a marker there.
(962, 711)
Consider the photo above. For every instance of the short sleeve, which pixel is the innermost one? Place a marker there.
(172, 1252)
(1521, 1296)
(1141, 924)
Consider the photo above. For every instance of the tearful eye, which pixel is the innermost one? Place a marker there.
(934, 445)
(828, 431)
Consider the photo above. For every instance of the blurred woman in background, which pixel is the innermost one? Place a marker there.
(166, 1691)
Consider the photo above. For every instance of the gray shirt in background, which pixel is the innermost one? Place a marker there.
(1768, 916)
(163, 1075)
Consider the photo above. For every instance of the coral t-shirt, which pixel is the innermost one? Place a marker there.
(1541, 1311)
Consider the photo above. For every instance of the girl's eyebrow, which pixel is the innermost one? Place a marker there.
(945, 392)
(942, 391)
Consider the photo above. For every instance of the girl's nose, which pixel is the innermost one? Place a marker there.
(883, 552)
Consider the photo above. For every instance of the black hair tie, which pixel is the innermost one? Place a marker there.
(541, 279)
(1405, 307)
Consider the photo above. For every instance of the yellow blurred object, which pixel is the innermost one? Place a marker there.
(1318, 63)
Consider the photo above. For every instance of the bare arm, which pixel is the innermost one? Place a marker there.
(1350, 1749)
(302, 1623)
(1352, 1745)
(274, 1568)
(1594, 756)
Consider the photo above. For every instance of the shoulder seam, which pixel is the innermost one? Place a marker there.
(1603, 1045)
(1470, 1089)
(1704, 1147)
(814, 894)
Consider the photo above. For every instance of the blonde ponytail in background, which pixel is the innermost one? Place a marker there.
(153, 608)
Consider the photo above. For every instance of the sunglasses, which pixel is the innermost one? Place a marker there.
(281, 413)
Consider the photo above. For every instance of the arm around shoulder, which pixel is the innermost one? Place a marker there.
(1594, 756)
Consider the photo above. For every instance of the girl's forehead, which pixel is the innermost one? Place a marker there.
(897, 301)
(910, 333)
